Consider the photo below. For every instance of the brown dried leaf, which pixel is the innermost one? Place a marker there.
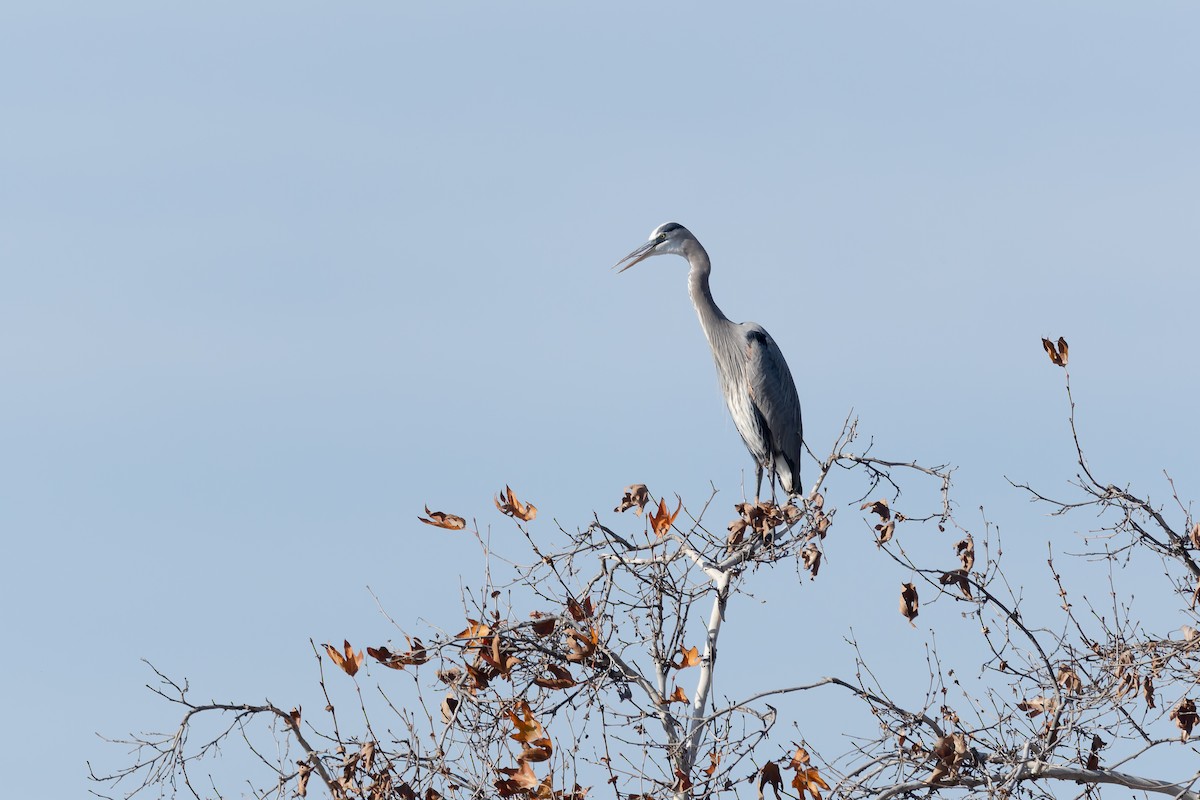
(538, 750)
(1184, 716)
(821, 523)
(799, 758)
(949, 750)
(349, 662)
(480, 675)
(965, 548)
(770, 774)
(1068, 679)
(562, 678)
(662, 521)
(1190, 634)
(811, 557)
(879, 507)
(440, 519)
(579, 612)
(807, 781)
(688, 657)
(678, 696)
(1058, 356)
(544, 626)
(520, 780)
(578, 793)
(1037, 705)
(514, 507)
(1148, 691)
(528, 728)
(714, 759)
(582, 646)
(498, 658)
(909, 602)
(885, 531)
(304, 769)
(635, 497)
(1093, 759)
(449, 707)
(737, 533)
(957, 576)
(417, 654)
(682, 782)
(476, 632)
(1194, 536)
(294, 718)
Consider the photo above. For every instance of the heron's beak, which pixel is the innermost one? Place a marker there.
(643, 252)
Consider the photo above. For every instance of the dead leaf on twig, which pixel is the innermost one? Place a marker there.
(543, 624)
(688, 657)
(879, 507)
(811, 557)
(449, 707)
(737, 533)
(965, 548)
(949, 750)
(1068, 679)
(959, 577)
(885, 531)
(562, 678)
(807, 779)
(909, 602)
(304, 769)
(1184, 716)
(1093, 759)
(1058, 355)
(508, 504)
(770, 774)
(682, 782)
(520, 780)
(635, 497)
(1038, 705)
(678, 696)
(662, 520)
(349, 662)
(580, 611)
(416, 655)
(440, 519)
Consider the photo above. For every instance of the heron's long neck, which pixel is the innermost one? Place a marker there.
(711, 318)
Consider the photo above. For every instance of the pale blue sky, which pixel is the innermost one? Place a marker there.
(276, 275)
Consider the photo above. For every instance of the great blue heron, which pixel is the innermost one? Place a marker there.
(754, 377)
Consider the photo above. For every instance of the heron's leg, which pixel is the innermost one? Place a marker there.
(757, 481)
(772, 483)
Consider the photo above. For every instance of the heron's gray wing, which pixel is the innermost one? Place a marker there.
(773, 393)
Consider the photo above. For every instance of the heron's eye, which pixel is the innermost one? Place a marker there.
(662, 237)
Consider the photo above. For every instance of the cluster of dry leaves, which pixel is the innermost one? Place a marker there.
(506, 502)
(1057, 353)
(806, 781)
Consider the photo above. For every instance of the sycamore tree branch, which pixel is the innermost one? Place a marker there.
(870, 697)
(1034, 769)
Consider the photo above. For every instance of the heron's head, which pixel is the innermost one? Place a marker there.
(668, 238)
